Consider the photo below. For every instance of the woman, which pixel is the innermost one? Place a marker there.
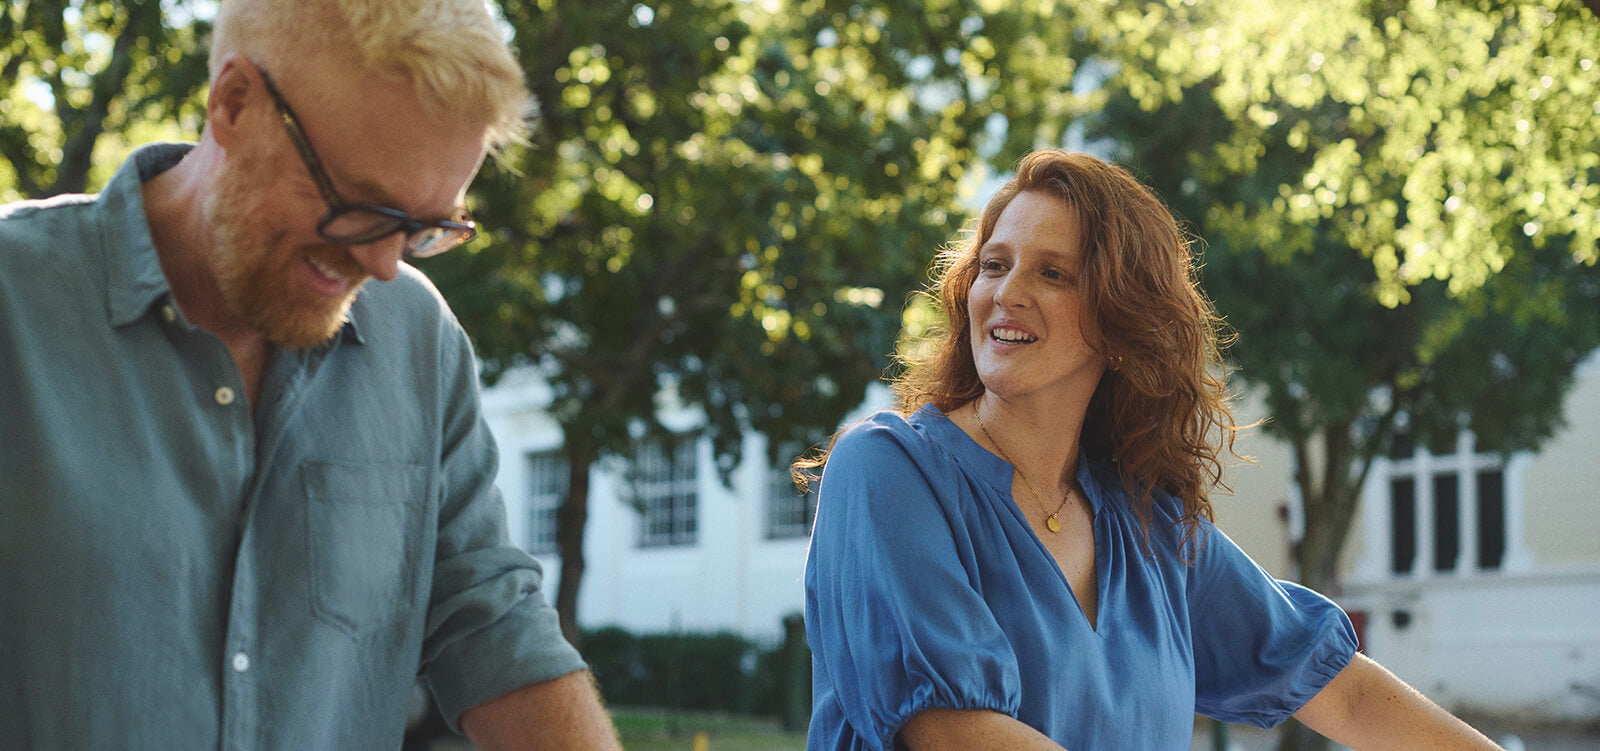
(1022, 557)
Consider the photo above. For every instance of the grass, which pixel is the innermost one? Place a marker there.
(662, 730)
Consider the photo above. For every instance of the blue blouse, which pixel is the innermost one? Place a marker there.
(926, 588)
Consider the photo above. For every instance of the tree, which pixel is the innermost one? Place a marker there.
(1398, 204)
(77, 76)
(722, 203)
(1347, 366)
(1427, 125)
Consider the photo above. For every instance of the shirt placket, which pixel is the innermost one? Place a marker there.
(248, 660)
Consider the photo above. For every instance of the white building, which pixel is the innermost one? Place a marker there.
(1475, 578)
(668, 546)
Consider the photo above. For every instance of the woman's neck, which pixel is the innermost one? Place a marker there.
(1040, 441)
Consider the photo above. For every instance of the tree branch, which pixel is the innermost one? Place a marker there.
(109, 84)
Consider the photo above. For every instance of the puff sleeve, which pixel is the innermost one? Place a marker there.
(894, 613)
(1262, 647)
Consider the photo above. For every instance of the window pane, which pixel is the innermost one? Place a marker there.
(1491, 519)
(1401, 445)
(1446, 522)
(665, 481)
(1403, 524)
(789, 513)
(547, 490)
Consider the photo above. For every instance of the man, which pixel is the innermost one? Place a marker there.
(246, 498)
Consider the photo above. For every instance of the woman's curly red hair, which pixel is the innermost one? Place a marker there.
(1161, 410)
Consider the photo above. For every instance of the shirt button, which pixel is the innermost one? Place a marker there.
(241, 662)
(168, 314)
(224, 396)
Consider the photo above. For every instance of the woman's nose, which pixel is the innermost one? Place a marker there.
(1010, 292)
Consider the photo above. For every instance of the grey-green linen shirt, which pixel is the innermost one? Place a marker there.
(175, 574)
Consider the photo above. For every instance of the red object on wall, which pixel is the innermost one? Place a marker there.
(1358, 618)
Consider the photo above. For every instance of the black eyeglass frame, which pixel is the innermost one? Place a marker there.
(424, 238)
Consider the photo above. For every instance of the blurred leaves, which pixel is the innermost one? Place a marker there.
(1380, 224)
(1438, 133)
(79, 76)
(725, 203)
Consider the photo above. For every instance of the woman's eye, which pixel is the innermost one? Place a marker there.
(991, 265)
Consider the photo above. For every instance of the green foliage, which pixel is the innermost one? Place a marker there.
(1320, 327)
(724, 203)
(1438, 136)
(709, 672)
(720, 672)
(1352, 353)
(82, 83)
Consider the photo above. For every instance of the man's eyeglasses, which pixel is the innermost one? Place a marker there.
(349, 223)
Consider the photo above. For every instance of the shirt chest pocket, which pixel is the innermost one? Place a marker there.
(364, 539)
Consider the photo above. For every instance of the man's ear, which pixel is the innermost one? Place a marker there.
(230, 99)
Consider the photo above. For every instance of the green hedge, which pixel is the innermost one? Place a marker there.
(695, 671)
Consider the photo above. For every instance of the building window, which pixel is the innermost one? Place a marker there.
(663, 480)
(1447, 512)
(1491, 518)
(789, 512)
(547, 490)
(1403, 528)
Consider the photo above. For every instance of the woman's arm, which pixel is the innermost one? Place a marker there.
(968, 729)
(1367, 707)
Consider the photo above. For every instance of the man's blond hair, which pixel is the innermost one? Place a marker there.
(452, 53)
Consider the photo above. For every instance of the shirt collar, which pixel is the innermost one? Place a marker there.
(992, 469)
(134, 280)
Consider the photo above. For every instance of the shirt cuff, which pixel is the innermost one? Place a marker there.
(520, 649)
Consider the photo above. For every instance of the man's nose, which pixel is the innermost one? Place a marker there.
(380, 259)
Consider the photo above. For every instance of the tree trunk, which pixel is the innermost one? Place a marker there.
(570, 521)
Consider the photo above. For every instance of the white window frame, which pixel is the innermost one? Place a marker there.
(663, 476)
(790, 513)
(547, 490)
(1376, 562)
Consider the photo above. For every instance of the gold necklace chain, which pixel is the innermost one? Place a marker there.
(1051, 522)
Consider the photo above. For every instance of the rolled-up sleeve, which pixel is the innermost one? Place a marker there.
(490, 630)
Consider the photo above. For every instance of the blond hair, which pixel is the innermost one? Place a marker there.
(450, 52)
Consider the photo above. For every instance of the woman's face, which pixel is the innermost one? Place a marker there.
(1027, 336)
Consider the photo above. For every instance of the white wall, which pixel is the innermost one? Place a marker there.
(732, 578)
(1522, 645)
(1522, 641)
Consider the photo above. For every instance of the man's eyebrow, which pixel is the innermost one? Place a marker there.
(378, 195)
(371, 192)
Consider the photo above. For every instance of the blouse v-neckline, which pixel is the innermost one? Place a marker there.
(998, 474)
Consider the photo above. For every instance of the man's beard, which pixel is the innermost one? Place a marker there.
(256, 275)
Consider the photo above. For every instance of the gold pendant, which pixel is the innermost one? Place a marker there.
(1053, 523)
